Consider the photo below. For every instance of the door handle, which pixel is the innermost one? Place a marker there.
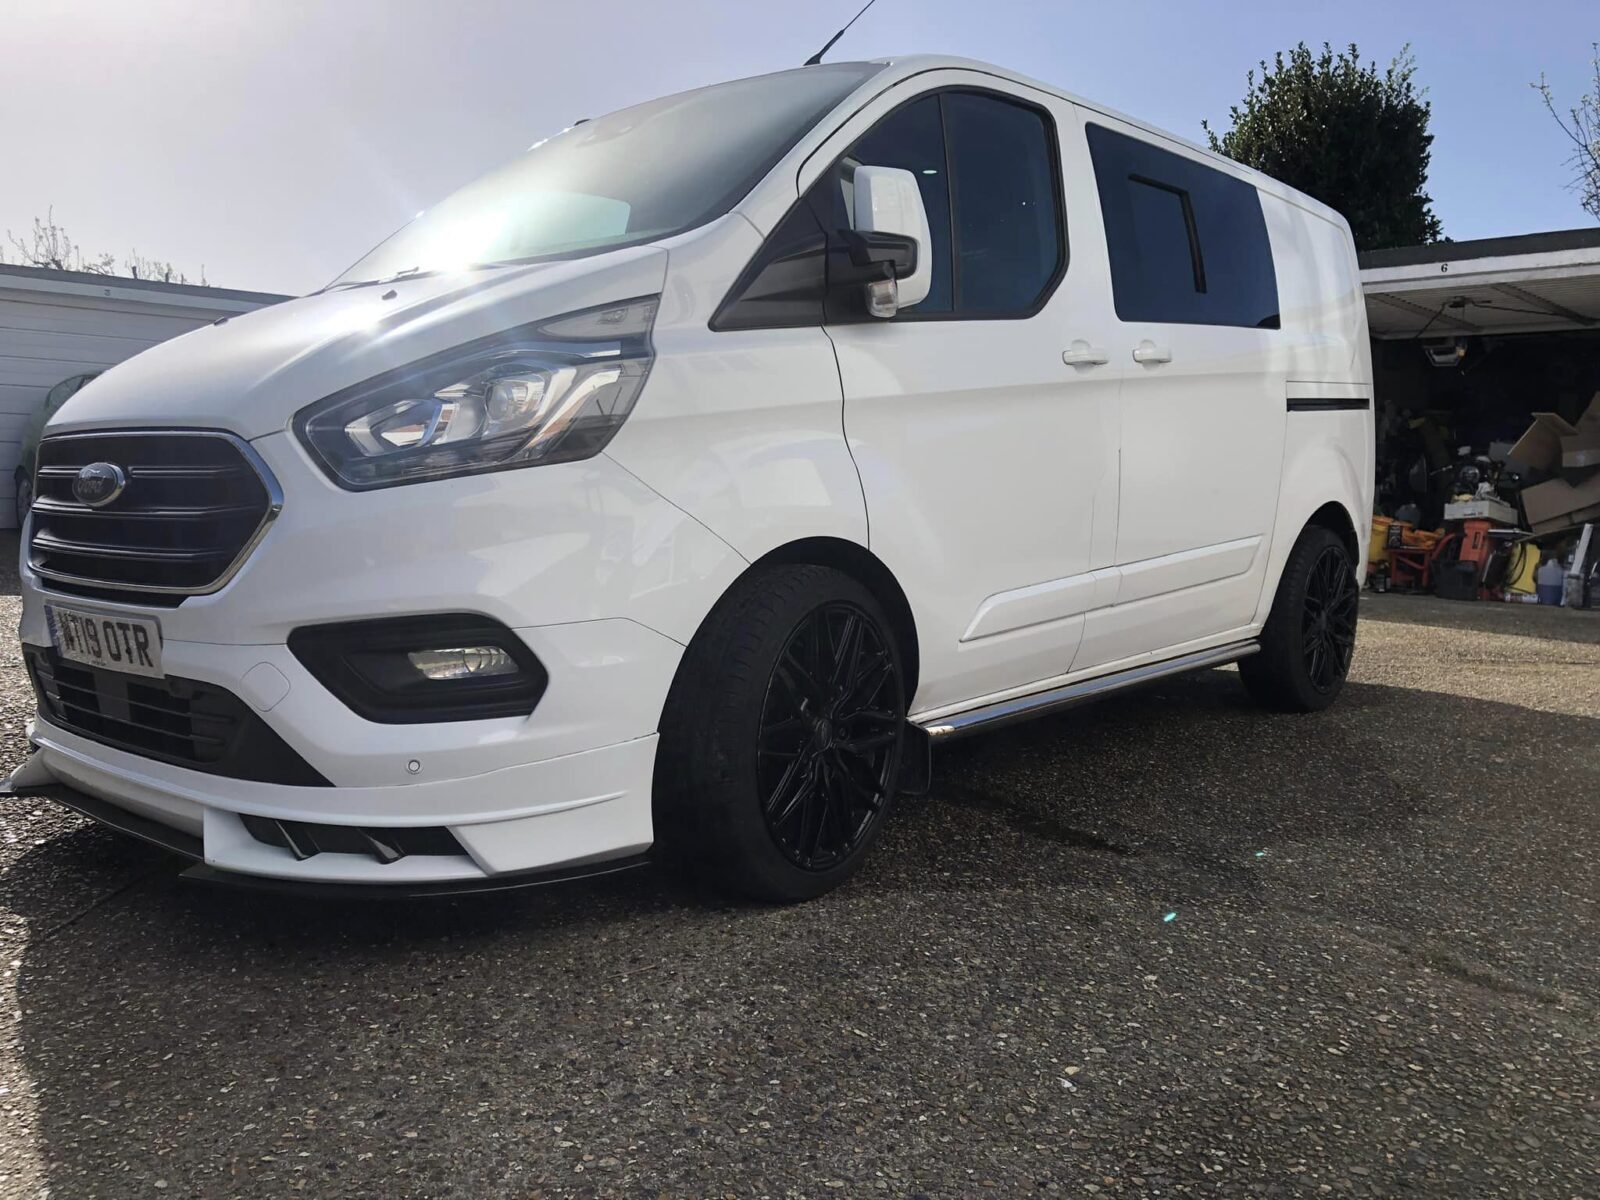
(1081, 354)
(1149, 352)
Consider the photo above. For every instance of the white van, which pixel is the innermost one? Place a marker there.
(677, 484)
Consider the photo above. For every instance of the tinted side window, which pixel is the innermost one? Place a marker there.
(1188, 243)
(987, 170)
(1008, 222)
(1164, 250)
(913, 139)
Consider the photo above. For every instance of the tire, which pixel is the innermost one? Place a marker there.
(24, 498)
(781, 738)
(1310, 634)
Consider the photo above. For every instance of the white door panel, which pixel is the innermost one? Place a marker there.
(979, 489)
(987, 454)
(1202, 407)
(1160, 626)
(1186, 569)
(1023, 607)
(1202, 439)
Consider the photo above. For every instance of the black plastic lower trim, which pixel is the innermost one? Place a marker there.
(304, 839)
(187, 723)
(916, 761)
(1326, 404)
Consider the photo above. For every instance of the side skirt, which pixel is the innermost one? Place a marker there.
(1023, 708)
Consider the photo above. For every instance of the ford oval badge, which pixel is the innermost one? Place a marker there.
(98, 484)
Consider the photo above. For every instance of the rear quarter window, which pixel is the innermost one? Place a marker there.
(1188, 243)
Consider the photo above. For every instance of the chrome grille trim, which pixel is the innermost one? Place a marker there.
(41, 542)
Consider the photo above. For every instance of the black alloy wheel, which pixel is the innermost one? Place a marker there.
(1328, 631)
(1310, 635)
(829, 734)
(780, 742)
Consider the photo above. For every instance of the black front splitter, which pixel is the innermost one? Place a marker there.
(430, 889)
(190, 847)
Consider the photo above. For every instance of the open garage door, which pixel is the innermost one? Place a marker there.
(1541, 283)
(1471, 340)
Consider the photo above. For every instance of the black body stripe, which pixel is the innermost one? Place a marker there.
(1325, 404)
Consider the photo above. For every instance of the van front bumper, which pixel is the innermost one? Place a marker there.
(396, 806)
(579, 814)
(602, 579)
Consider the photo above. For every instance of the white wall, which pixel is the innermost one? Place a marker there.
(59, 323)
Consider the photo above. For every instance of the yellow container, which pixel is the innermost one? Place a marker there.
(1378, 546)
(1524, 562)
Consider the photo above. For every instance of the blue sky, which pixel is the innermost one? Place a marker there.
(274, 141)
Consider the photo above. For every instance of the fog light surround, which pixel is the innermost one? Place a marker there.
(423, 669)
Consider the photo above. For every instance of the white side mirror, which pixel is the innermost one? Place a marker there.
(887, 200)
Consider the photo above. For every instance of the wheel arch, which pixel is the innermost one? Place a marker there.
(1335, 517)
(867, 569)
(862, 565)
(1321, 485)
(1332, 515)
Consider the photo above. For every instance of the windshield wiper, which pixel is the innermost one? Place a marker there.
(346, 284)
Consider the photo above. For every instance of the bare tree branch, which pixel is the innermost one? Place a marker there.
(1581, 126)
(49, 245)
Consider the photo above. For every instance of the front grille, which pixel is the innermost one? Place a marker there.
(193, 506)
(180, 721)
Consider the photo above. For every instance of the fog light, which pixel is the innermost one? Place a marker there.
(406, 670)
(463, 662)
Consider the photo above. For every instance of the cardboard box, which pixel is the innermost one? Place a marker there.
(1539, 448)
(1558, 504)
(1591, 415)
(1570, 521)
(1581, 448)
(1480, 510)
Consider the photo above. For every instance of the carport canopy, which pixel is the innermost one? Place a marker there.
(1536, 283)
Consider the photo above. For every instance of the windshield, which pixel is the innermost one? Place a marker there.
(634, 176)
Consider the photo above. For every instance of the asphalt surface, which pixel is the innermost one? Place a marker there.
(1167, 946)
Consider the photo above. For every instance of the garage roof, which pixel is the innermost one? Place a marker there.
(1537, 283)
(93, 285)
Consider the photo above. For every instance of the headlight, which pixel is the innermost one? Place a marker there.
(553, 391)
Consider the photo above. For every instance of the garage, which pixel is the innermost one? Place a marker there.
(59, 325)
(1486, 364)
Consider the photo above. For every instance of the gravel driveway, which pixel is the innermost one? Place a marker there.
(1168, 946)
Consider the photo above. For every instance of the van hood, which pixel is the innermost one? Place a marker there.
(250, 374)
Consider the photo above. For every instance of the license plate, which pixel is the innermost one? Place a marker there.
(131, 644)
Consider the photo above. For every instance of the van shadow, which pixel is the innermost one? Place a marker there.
(1188, 787)
(230, 1043)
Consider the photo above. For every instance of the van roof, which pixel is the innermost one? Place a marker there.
(903, 67)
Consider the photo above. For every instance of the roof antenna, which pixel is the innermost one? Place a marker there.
(816, 59)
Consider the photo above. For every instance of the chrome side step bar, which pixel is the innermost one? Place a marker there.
(1022, 708)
